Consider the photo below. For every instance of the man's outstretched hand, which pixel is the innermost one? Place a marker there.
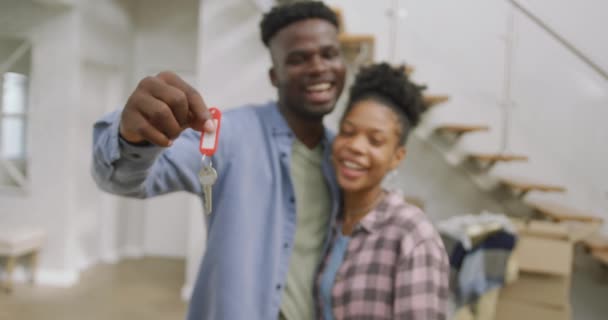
(160, 108)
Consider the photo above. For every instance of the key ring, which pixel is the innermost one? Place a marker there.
(204, 157)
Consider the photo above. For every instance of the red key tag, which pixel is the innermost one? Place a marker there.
(209, 141)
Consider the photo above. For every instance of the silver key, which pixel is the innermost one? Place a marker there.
(207, 177)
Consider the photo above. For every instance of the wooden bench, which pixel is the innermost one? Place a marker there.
(17, 242)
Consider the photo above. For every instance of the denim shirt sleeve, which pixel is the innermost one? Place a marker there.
(143, 171)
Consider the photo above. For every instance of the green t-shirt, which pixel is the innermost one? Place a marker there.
(313, 208)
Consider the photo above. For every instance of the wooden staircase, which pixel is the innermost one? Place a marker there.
(520, 186)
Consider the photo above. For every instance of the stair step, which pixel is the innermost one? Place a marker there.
(459, 129)
(560, 213)
(596, 242)
(350, 39)
(496, 157)
(601, 256)
(525, 185)
(340, 16)
(354, 45)
(409, 70)
(416, 201)
(432, 100)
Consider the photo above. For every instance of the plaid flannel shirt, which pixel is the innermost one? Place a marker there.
(395, 267)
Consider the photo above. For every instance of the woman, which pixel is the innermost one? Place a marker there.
(386, 261)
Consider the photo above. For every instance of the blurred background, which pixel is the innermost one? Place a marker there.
(517, 95)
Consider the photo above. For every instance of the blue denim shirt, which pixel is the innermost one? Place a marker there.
(251, 229)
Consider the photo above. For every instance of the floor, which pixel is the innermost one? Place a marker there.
(150, 289)
(589, 293)
(146, 288)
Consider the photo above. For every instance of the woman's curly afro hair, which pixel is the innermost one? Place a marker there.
(390, 86)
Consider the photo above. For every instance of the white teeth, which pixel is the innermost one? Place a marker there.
(319, 87)
(352, 165)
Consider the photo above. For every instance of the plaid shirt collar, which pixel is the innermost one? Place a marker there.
(373, 221)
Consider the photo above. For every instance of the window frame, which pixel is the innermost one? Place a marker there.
(18, 178)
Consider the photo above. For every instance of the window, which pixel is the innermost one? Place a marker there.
(14, 93)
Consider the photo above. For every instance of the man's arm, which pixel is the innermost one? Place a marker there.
(145, 150)
(422, 283)
(143, 171)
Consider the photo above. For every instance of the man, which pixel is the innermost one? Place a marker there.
(275, 194)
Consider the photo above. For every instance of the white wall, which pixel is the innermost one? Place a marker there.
(107, 33)
(53, 97)
(105, 50)
(165, 38)
(99, 84)
(233, 65)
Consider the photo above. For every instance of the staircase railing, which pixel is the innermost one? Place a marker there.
(563, 41)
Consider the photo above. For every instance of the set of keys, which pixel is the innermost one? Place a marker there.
(207, 176)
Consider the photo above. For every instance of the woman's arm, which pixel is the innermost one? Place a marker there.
(422, 283)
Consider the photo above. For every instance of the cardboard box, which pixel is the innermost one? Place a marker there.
(545, 248)
(544, 254)
(547, 229)
(537, 254)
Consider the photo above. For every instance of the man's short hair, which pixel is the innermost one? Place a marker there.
(282, 16)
